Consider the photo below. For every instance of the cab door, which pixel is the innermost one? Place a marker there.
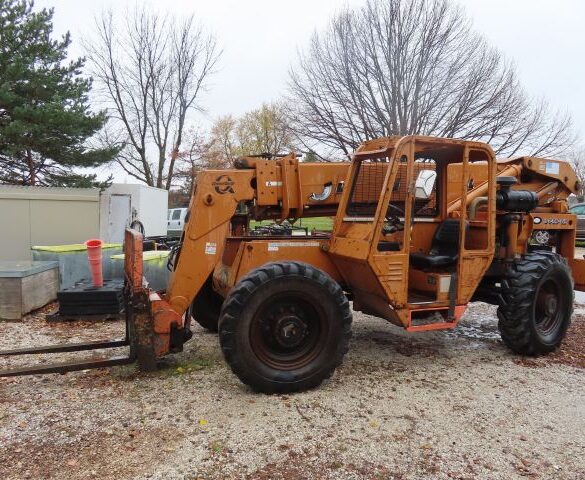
(374, 267)
(175, 222)
(477, 211)
(390, 248)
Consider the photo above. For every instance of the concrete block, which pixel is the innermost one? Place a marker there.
(26, 286)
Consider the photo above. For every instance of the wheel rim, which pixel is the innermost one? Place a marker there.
(287, 332)
(549, 307)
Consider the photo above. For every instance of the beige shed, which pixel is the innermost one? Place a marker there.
(45, 216)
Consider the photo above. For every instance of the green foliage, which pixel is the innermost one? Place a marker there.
(79, 181)
(263, 130)
(324, 224)
(310, 157)
(45, 120)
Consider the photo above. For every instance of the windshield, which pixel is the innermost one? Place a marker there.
(367, 187)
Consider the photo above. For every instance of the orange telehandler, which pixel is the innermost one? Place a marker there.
(422, 227)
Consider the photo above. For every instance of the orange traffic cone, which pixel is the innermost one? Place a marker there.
(94, 258)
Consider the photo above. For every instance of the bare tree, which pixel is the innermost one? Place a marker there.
(151, 70)
(195, 156)
(577, 159)
(398, 67)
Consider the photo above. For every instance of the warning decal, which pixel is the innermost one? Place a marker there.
(273, 246)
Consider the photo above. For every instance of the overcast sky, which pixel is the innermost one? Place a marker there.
(260, 38)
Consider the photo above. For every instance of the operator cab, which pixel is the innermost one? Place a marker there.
(414, 229)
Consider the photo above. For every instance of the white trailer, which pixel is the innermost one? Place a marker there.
(123, 203)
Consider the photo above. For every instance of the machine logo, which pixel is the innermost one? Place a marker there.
(223, 184)
(537, 220)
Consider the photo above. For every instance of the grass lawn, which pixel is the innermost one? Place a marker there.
(317, 223)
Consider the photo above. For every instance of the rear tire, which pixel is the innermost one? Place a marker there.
(285, 327)
(537, 303)
(206, 307)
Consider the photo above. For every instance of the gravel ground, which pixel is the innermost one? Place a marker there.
(428, 405)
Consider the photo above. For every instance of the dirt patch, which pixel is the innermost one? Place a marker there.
(316, 465)
(120, 454)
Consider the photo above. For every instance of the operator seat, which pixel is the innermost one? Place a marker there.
(444, 247)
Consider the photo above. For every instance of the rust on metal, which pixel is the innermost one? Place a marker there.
(133, 266)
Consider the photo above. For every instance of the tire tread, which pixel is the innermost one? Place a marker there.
(241, 294)
(515, 312)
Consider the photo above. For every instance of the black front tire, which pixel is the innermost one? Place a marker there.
(537, 303)
(285, 327)
(206, 307)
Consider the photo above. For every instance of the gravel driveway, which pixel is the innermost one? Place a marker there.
(405, 406)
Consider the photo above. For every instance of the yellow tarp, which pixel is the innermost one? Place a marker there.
(146, 256)
(76, 247)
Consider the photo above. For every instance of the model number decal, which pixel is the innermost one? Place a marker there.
(551, 221)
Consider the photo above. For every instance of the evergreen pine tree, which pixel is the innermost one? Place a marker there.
(45, 119)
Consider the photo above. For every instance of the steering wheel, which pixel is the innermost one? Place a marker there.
(398, 211)
(393, 220)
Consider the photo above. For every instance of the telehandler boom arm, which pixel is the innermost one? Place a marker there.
(268, 189)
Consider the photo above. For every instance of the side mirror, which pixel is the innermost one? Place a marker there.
(423, 187)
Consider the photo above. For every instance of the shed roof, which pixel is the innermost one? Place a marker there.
(49, 193)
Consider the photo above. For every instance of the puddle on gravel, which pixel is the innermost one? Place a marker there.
(479, 323)
(476, 332)
(482, 325)
(475, 335)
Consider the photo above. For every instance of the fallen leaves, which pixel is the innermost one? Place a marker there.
(572, 350)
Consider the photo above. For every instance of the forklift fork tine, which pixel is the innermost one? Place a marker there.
(66, 347)
(67, 366)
